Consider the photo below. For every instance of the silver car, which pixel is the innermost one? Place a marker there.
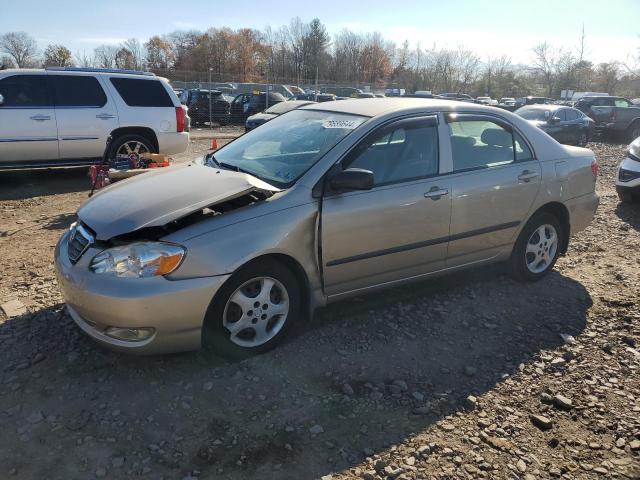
(324, 202)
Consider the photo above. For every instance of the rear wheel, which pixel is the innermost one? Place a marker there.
(253, 311)
(633, 131)
(537, 248)
(130, 144)
(627, 197)
(583, 139)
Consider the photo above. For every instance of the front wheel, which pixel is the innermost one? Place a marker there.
(253, 310)
(537, 248)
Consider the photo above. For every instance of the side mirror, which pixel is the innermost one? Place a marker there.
(1, 100)
(554, 120)
(351, 179)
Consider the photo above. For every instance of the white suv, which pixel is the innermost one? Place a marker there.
(63, 116)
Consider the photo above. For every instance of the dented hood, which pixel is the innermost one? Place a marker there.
(156, 198)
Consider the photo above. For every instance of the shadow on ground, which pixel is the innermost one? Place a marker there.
(629, 213)
(171, 415)
(22, 184)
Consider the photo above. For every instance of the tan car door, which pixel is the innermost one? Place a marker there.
(495, 181)
(399, 228)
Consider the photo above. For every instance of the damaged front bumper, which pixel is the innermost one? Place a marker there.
(172, 310)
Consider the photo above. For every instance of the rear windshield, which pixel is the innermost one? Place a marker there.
(142, 93)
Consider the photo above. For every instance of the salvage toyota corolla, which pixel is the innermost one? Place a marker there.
(321, 203)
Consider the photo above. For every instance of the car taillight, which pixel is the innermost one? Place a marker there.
(595, 167)
(180, 120)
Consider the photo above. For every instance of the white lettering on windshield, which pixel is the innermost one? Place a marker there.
(341, 124)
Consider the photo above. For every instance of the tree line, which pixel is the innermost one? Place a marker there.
(300, 52)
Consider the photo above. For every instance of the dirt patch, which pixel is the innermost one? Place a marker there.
(446, 379)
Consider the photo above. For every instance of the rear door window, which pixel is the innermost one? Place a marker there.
(77, 91)
(482, 144)
(25, 91)
(561, 114)
(621, 102)
(142, 93)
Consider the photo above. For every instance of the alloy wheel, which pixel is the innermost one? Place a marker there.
(132, 147)
(541, 248)
(256, 312)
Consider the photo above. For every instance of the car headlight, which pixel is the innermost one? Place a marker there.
(138, 260)
(634, 149)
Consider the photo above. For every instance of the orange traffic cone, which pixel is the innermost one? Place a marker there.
(214, 144)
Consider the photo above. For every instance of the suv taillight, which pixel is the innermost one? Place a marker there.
(181, 119)
(595, 167)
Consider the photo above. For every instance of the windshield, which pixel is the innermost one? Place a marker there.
(282, 150)
(535, 114)
(282, 107)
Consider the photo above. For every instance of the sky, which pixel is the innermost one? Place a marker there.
(490, 28)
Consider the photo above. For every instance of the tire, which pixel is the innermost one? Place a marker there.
(582, 139)
(118, 144)
(530, 265)
(224, 315)
(633, 131)
(627, 197)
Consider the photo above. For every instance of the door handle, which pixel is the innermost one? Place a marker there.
(40, 118)
(435, 193)
(527, 176)
(104, 116)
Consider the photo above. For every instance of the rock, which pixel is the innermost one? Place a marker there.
(316, 429)
(542, 422)
(558, 362)
(368, 475)
(368, 451)
(375, 395)
(470, 371)
(418, 396)
(498, 443)
(347, 389)
(13, 308)
(117, 462)
(634, 445)
(521, 466)
(101, 472)
(562, 402)
(568, 339)
(471, 402)
(546, 398)
(401, 384)
(326, 477)
(35, 417)
(207, 386)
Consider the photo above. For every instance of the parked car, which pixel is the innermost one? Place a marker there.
(628, 177)
(63, 116)
(522, 101)
(198, 102)
(325, 202)
(420, 94)
(321, 97)
(565, 124)
(247, 104)
(364, 95)
(461, 97)
(621, 119)
(507, 101)
(272, 112)
(486, 101)
(349, 92)
(585, 103)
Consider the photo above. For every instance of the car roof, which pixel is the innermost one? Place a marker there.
(372, 107)
(543, 106)
(80, 71)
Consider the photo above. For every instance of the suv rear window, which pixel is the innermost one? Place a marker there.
(142, 93)
(77, 91)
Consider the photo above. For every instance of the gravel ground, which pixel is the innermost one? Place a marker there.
(467, 376)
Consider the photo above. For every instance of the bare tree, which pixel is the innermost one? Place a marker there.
(83, 60)
(135, 48)
(20, 47)
(545, 64)
(105, 56)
